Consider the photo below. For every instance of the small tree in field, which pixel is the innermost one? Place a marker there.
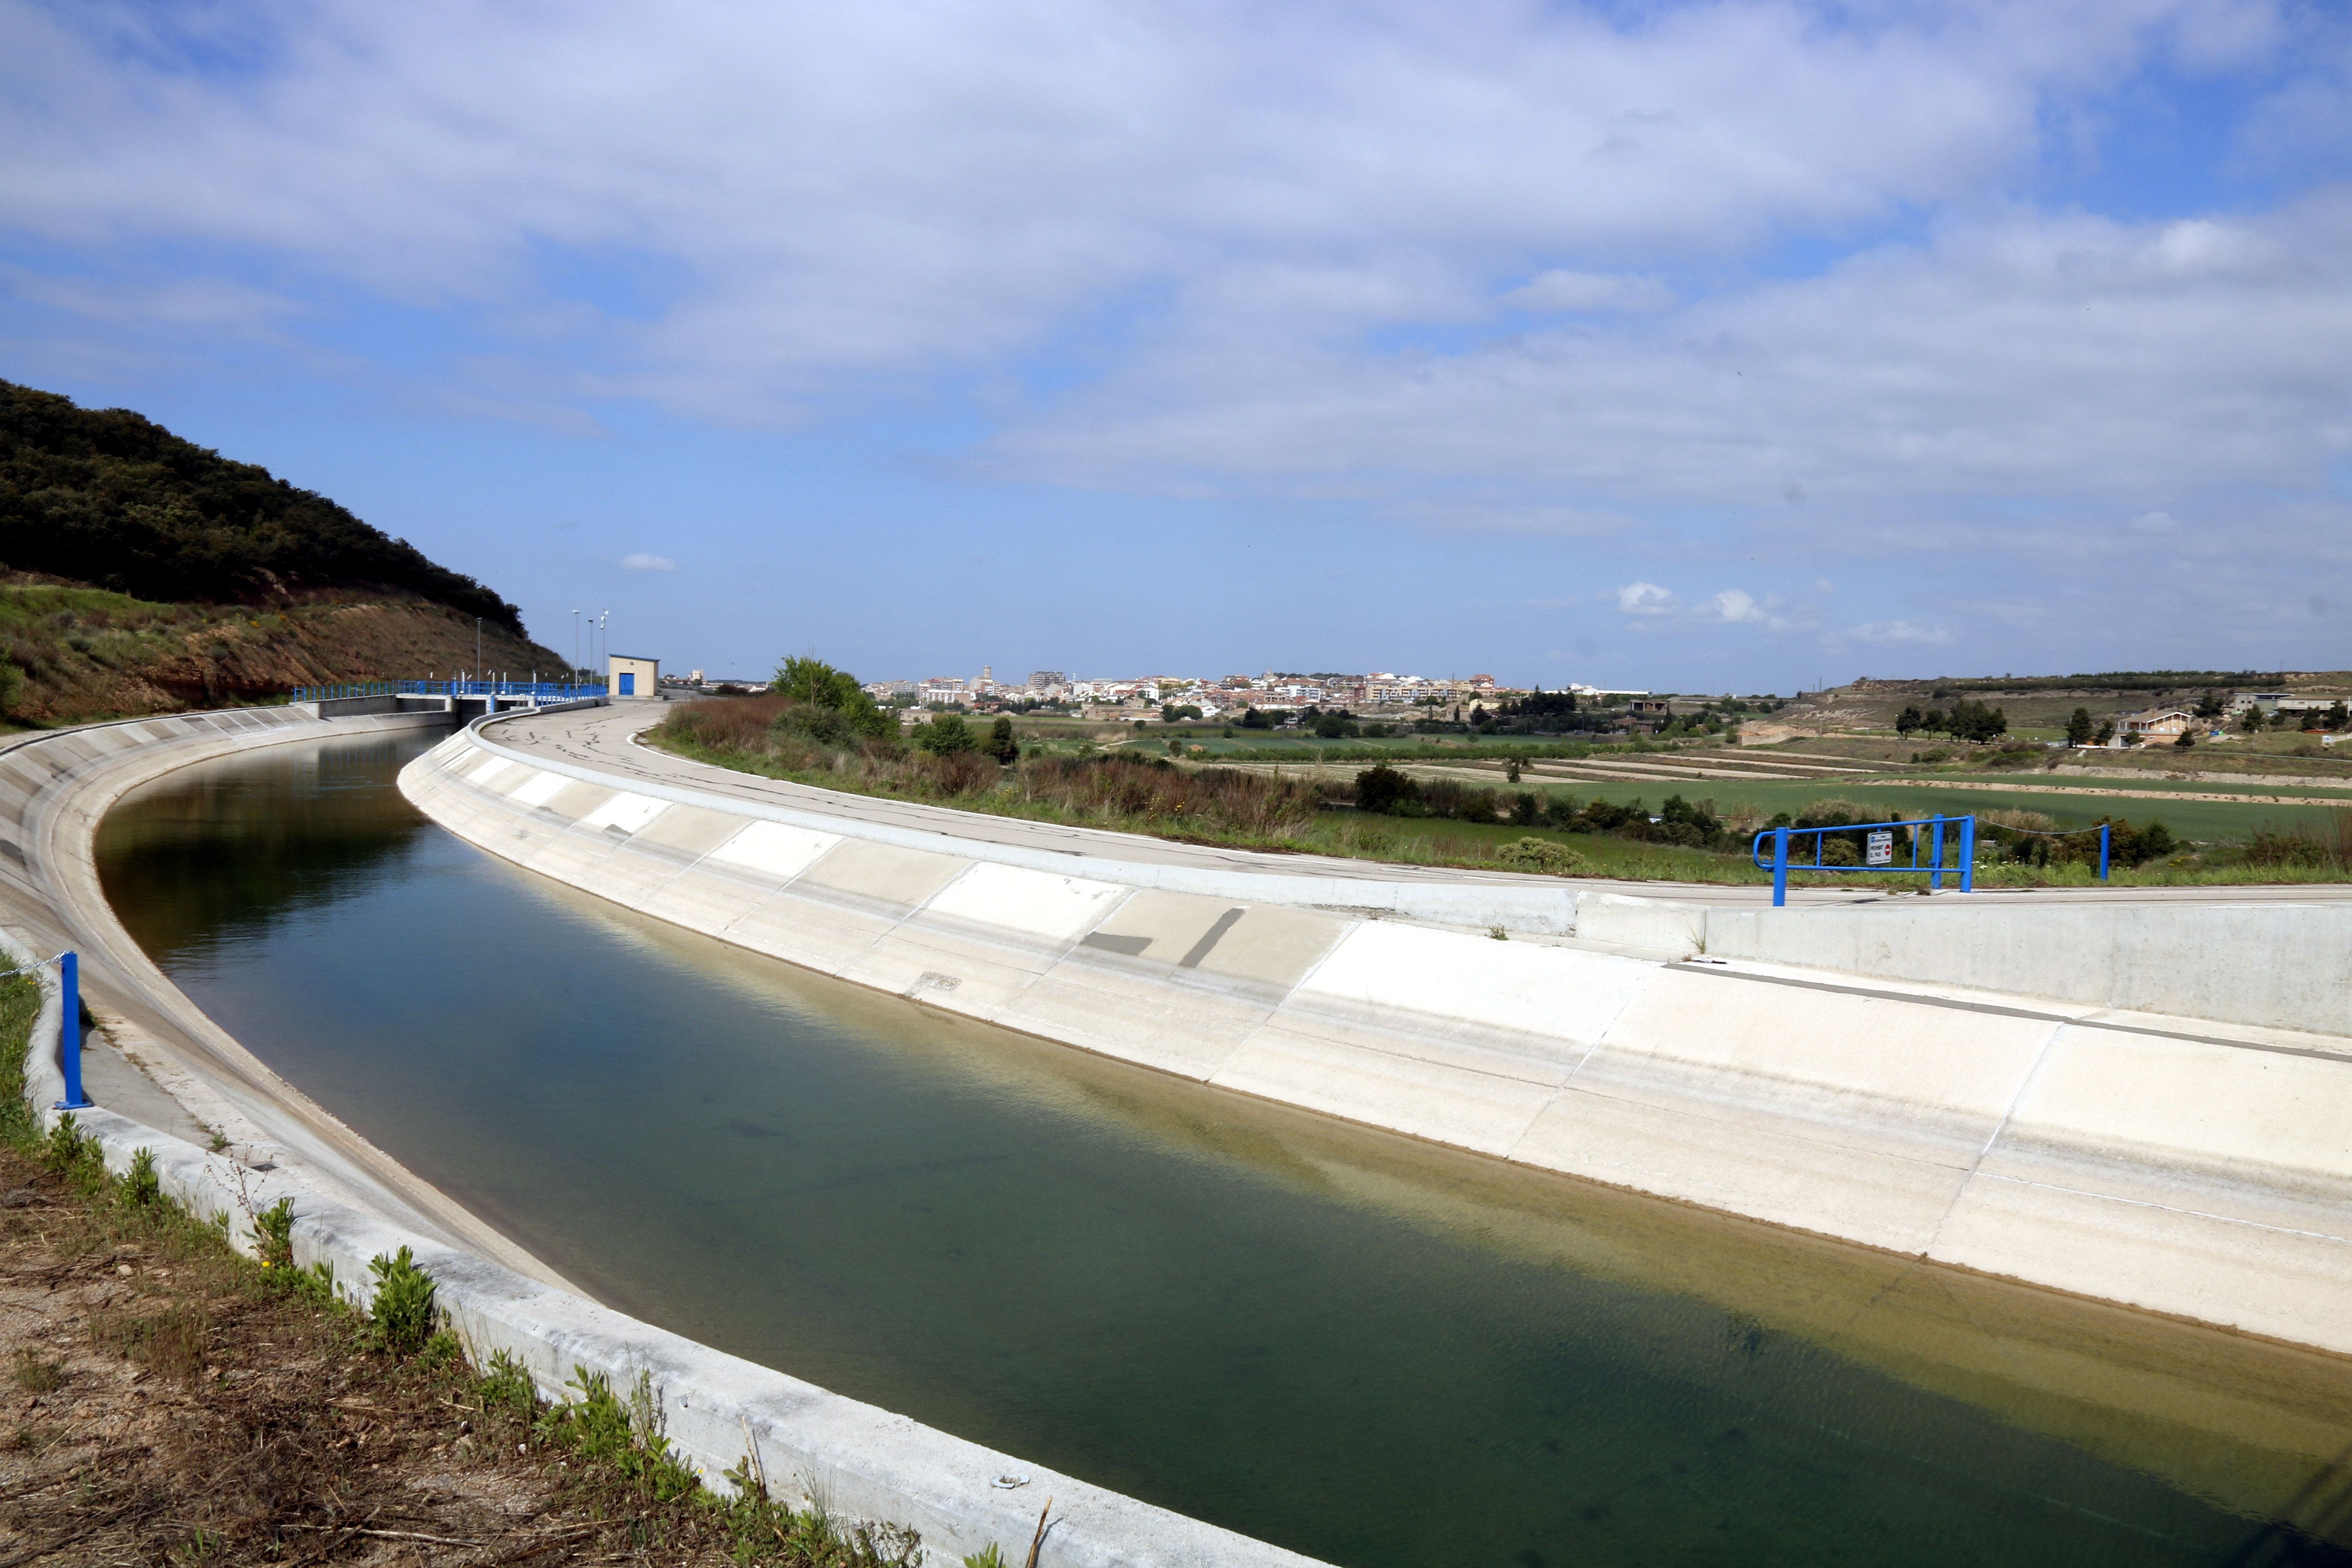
(2079, 728)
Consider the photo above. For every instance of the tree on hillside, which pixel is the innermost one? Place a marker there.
(2079, 727)
(1381, 788)
(945, 735)
(2210, 705)
(1001, 744)
(848, 706)
(105, 496)
(1910, 719)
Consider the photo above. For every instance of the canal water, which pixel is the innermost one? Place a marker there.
(1367, 1349)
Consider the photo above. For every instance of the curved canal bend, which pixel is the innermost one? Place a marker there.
(1370, 1349)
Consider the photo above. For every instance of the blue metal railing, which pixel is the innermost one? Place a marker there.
(537, 690)
(68, 1025)
(2105, 830)
(1926, 834)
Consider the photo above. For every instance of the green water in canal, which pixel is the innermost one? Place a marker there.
(1366, 1349)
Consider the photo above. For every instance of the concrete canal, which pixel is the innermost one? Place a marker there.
(1370, 1349)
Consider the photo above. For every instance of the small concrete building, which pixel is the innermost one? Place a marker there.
(627, 676)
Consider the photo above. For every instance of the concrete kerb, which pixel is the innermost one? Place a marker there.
(1671, 928)
(817, 1446)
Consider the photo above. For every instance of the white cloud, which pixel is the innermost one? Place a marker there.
(1733, 607)
(639, 561)
(1644, 599)
(884, 186)
(1896, 632)
(1564, 290)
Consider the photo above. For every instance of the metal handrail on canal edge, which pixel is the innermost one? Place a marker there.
(1932, 866)
(541, 691)
(68, 1023)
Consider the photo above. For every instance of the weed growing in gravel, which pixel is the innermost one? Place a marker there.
(141, 1185)
(273, 1235)
(400, 1318)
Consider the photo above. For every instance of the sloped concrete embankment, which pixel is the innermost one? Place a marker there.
(2286, 965)
(2169, 1163)
(353, 1203)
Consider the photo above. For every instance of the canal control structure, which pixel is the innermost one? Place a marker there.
(2143, 1097)
(230, 1138)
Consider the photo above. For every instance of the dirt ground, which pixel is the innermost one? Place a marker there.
(168, 1402)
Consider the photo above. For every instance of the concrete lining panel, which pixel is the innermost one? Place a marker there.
(1740, 1160)
(488, 770)
(2262, 1280)
(575, 800)
(685, 833)
(538, 789)
(780, 851)
(624, 814)
(1901, 1060)
(1272, 946)
(828, 937)
(2223, 1104)
(882, 875)
(1547, 991)
(1471, 1110)
(1037, 903)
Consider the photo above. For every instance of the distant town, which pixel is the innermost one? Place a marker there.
(1281, 693)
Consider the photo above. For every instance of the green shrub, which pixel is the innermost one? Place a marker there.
(141, 1185)
(1532, 854)
(400, 1319)
(66, 1148)
(273, 1235)
(1383, 789)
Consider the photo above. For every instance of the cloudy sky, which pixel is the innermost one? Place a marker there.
(1703, 346)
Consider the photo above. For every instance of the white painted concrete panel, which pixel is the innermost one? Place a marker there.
(1038, 903)
(1552, 991)
(2207, 1103)
(775, 848)
(488, 770)
(629, 813)
(539, 789)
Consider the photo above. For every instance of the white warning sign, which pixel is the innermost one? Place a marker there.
(1879, 846)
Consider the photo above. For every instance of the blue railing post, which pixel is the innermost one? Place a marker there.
(70, 1031)
(1969, 853)
(1936, 876)
(2104, 831)
(1779, 868)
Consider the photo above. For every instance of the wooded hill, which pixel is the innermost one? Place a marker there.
(110, 498)
(140, 573)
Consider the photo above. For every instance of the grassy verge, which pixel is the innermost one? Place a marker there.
(1445, 842)
(169, 1400)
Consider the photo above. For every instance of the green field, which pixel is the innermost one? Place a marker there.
(2203, 820)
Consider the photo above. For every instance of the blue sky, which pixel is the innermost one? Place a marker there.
(1703, 347)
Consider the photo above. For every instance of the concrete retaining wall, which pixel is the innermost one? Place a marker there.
(2163, 1162)
(351, 1205)
(2284, 965)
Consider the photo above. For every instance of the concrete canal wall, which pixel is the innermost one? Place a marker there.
(2180, 1165)
(2284, 965)
(353, 1202)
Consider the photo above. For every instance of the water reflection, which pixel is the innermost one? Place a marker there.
(1372, 1350)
